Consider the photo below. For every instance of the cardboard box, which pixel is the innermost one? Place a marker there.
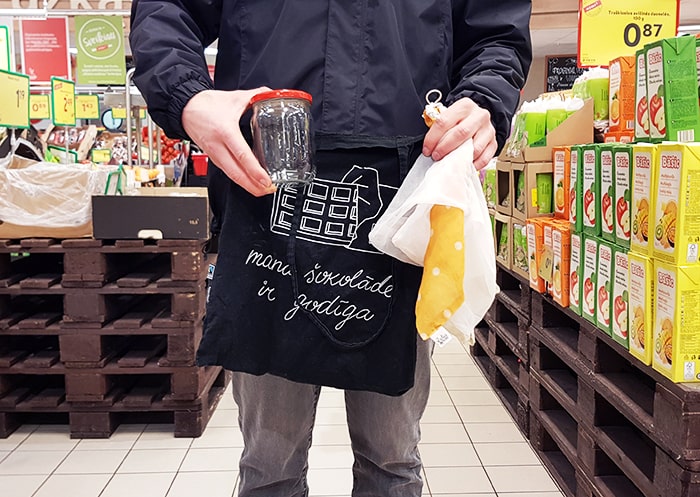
(619, 325)
(590, 278)
(561, 160)
(561, 242)
(641, 122)
(575, 273)
(520, 259)
(607, 192)
(504, 235)
(547, 257)
(677, 204)
(677, 322)
(604, 284)
(577, 128)
(672, 78)
(504, 196)
(641, 307)
(622, 157)
(535, 247)
(618, 137)
(644, 165)
(530, 171)
(168, 213)
(591, 190)
(576, 188)
(621, 95)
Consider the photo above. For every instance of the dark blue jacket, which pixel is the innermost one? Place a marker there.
(367, 63)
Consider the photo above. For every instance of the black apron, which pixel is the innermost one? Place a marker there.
(299, 292)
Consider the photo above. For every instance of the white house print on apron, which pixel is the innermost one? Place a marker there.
(339, 213)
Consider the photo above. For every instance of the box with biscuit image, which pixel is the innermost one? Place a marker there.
(619, 320)
(622, 158)
(676, 322)
(606, 180)
(520, 260)
(575, 273)
(575, 187)
(644, 165)
(591, 190)
(604, 284)
(672, 80)
(590, 277)
(676, 228)
(641, 307)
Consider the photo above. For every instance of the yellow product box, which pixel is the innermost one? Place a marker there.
(561, 158)
(590, 276)
(535, 247)
(644, 160)
(641, 307)
(621, 94)
(575, 273)
(561, 248)
(641, 114)
(677, 322)
(677, 204)
(619, 325)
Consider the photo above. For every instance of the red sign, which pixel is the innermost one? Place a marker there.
(45, 49)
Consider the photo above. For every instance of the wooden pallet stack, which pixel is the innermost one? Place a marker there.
(98, 333)
(603, 423)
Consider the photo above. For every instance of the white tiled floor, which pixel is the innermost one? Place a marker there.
(470, 448)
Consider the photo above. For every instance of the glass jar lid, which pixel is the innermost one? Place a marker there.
(269, 95)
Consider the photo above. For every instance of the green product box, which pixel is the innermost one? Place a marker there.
(622, 158)
(575, 273)
(604, 284)
(619, 322)
(590, 204)
(672, 89)
(590, 276)
(606, 180)
(490, 187)
(641, 119)
(576, 189)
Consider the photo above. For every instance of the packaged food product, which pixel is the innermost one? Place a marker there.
(619, 325)
(575, 274)
(503, 252)
(622, 157)
(548, 252)
(489, 185)
(672, 78)
(621, 95)
(606, 179)
(644, 160)
(677, 204)
(556, 114)
(619, 137)
(590, 277)
(544, 192)
(641, 122)
(677, 321)
(520, 261)
(535, 244)
(561, 156)
(576, 187)
(604, 286)
(561, 248)
(591, 190)
(534, 118)
(520, 191)
(641, 307)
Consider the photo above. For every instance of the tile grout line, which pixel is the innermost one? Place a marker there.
(53, 472)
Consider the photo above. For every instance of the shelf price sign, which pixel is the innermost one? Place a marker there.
(87, 107)
(63, 102)
(39, 107)
(612, 28)
(14, 100)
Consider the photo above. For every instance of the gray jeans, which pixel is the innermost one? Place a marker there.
(277, 417)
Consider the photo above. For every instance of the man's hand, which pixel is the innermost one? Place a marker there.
(462, 120)
(211, 118)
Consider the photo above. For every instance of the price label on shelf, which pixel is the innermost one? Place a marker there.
(101, 155)
(118, 112)
(63, 102)
(14, 100)
(87, 107)
(39, 107)
(612, 28)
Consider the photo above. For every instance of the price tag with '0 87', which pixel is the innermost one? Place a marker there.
(14, 100)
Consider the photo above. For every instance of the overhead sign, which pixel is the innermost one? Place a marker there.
(612, 28)
(14, 100)
(45, 48)
(100, 42)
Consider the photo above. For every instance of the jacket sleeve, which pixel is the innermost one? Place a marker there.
(167, 40)
(492, 56)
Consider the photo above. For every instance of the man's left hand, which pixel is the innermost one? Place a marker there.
(461, 121)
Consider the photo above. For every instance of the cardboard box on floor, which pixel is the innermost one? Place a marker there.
(173, 213)
(576, 129)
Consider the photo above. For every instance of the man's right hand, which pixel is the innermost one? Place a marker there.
(211, 118)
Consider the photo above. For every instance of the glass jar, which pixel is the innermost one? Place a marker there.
(282, 140)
